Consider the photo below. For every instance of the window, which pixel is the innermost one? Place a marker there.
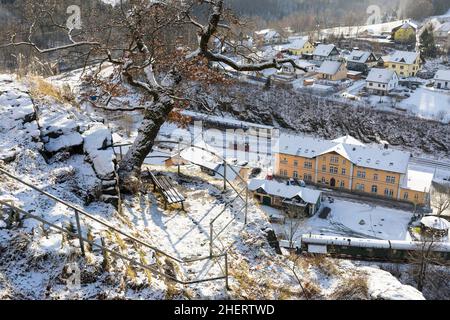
(375, 177)
(295, 175)
(416, 196)
(324, 168)
(390, 179)
(374, 189)
(295, 163)
(361, 174)
(406, 196)
(324, 181)
(284, 161)
(389, 193)
(284, 173)
(307, 177)
(344, 171)
(308, 165)
(334, 170)
(360, 187)
(344, 161)
(342, 184)
(334, 159)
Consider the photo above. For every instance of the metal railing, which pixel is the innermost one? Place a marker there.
(78, 212)
(213, 236)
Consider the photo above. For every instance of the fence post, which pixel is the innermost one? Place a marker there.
(211, 236)
(226, 271)
(80, 235)
(224, 175)
(246, 205)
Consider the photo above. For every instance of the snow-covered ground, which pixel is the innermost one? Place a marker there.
(36, 261)
(351, 219)
(429, 103)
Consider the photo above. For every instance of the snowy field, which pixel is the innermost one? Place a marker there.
(429, 103)
(351, 219)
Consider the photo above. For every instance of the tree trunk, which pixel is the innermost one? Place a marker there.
(130, 166)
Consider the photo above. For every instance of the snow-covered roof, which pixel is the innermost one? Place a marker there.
(359, 56)
(418, 179)
(402, 57)
(445, 27)
(283, 190)
(435, 223)
(442, 75)
(348, 140)
(361, 155)
(408, 25)
(324, 50)
(268, 34)
(329, 67)
(380, 75)
(297, 43)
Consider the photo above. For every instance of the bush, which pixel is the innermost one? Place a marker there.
(352, 288)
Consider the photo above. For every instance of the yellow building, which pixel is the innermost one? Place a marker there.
(349, 165)
(406, 64)
(406, 33)
(332, 70)
(300, 46)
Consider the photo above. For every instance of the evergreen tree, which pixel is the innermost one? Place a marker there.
(427, 43)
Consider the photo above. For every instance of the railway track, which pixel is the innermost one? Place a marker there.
(431, 163)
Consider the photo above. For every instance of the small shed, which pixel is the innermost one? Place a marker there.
(354, 75)
(297, 201)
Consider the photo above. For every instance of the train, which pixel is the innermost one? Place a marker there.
(366, 249)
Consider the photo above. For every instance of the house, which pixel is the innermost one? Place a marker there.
(289, 69)
(269, 37)
(298, 201)
(442, 79)
(347, 164)
(382, 81)
(300, 46)
(332, 70)
(325, 52)
(406, 33)
(405, 63)
(361, 61)
(443, 31)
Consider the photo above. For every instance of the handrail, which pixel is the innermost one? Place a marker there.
(88, 215)
(78, 211)
(113, 252)
(227, 166)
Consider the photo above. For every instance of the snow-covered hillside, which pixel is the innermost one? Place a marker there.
(57, 146)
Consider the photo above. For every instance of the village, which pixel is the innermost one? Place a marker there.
(376, 65)
(192, 180)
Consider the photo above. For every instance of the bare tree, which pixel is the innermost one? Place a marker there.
(290, 231)
(424, 258)
(440, 197)
(145, 42)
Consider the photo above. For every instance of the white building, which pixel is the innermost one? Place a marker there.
(382, 81)
(442, 79)
(326, 52)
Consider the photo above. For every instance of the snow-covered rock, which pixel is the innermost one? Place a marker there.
(384, 286)
(64, 142)
(97, 145)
